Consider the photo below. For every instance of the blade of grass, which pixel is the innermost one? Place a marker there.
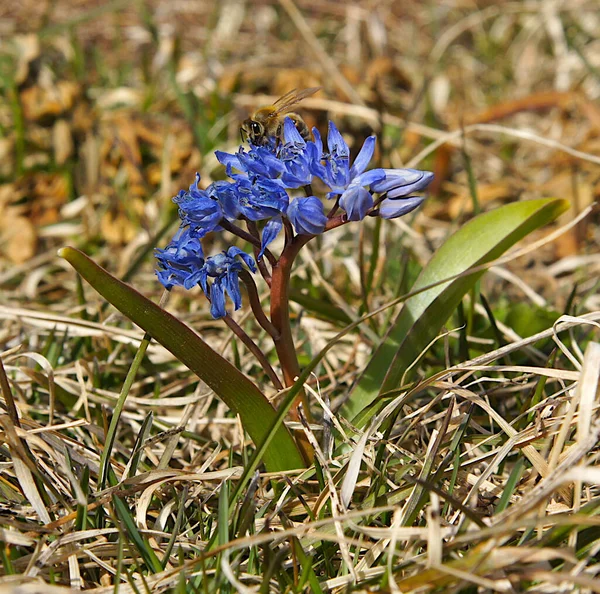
(145, 550)
(109, 442)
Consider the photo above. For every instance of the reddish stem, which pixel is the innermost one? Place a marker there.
(280, 308)
(280, 316)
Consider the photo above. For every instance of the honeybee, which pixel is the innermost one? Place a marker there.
(267, 122)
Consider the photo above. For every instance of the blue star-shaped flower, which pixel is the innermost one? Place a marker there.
(296, 155)
(223, 269)
(398, 185)
(346, 181)
(180, 259)
(199, 210)
(256, 198)
(258, 161)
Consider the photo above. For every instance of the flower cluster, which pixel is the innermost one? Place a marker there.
(262, 182)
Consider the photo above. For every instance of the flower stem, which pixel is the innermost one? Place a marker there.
(280, 318)
(284, 344)
(280, 315)
(255, 241)
(254, 300)
(254, 349)
(308, 191)
(260, 263)
(334, 209)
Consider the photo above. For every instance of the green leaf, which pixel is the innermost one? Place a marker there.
(481, 240)
(241, 395)
(142, 545)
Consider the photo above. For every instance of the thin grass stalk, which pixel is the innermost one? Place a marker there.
(116, 416)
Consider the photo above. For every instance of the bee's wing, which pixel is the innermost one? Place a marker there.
(293, 97)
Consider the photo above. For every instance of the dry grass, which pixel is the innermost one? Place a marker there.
(480, 477)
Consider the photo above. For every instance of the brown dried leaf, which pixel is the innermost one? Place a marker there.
(47, 193)
(18, 236)
(117, 229)
(40, 102)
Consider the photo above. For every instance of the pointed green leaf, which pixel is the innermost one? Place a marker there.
(481, 240)
(142, 545)
(237, 391)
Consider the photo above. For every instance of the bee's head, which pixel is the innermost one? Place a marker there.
(253, 131)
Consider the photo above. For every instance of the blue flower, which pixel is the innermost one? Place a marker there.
(180, 260)
(198, 210)
(356, 201)
(392, 208)
(398, 185)
(224, 271)
(402, 182)
(257, 161)
(337, 172)
(296, 157)
(257, 191)
(256, 198)
(346, 181)
(269, 233)
(225, 193)
(307, 216)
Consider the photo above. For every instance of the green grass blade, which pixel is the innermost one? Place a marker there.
(111, 434)
(241, 395)
(145, 550)
(481, 240)
(138, 446)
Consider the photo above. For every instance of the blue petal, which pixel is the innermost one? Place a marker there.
(227, 195)
(368, 178)
(167, 279)
(307, 216)
(203, 280)
(364, 157)
(392, 209)
(293, 181)
(336, 142)
(192, 279)
(356, 201)
(290, 132)
(234, 251)
(314, 161)
(195, 191)
(230, 161)
(261, 161)
(417, 186)
(232, 286)
(403, 180)
(270, 232)
(318, 142)
(217, 300)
